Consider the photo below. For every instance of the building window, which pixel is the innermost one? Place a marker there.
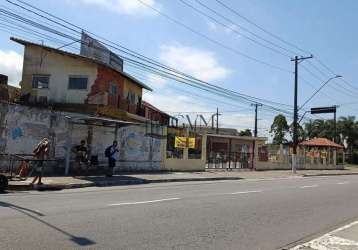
(77, 82)
(131, 98)
(40, 81)
(113, 89)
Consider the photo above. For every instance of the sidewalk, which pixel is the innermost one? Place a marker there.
(344, 238)
(133, 179)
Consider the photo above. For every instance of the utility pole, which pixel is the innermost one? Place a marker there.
(253, 157)
(297, 60)
(256, 106)
(335, 126)
(217, 120)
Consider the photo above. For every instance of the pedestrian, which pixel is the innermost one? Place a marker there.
(41, 152)
(111, 153)
(81, 152)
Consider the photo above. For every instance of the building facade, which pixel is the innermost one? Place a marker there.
(53, 76)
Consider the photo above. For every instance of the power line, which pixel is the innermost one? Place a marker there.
(232, 29)
(213, 40)
(42, 27)
(261, 28)
(136, 55)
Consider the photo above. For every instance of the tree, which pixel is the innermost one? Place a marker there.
(246, 132)
(347, 128)
(279, 129)
(320, 128)
(300, 132)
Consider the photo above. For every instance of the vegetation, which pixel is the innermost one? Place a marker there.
(347, 131)
(279, 129)
(246, 132)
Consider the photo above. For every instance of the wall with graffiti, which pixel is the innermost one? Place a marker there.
(22, 127)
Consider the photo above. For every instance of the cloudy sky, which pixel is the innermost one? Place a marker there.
(226, 55)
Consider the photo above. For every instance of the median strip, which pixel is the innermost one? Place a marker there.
(143, 202)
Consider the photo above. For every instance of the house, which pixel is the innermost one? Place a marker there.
(322, 151)
(57, 77)
(8, 93)
(154, 114)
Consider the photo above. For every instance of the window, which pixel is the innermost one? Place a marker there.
(77, 82)
(131, 98)
(40, 81)
(113, 90)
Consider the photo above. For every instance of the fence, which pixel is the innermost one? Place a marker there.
(234, 160)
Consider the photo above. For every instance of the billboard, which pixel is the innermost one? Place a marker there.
(92, 48)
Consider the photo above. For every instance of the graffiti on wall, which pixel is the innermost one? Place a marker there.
(16, 133)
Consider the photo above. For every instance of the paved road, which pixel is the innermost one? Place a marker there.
(244, 214)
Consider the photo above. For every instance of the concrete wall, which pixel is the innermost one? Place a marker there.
(59, 67)
(22, 127)
(286, 166)
(184, 165)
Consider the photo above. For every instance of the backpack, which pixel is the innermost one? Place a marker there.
(107, 152)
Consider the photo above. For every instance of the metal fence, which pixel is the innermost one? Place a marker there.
(233, 160)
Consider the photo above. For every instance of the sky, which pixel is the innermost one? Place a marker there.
(325, 28)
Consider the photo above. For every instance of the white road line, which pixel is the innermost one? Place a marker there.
(330, 241)
(247, 192)
(343, 183)
(143, 202)
(309, 186)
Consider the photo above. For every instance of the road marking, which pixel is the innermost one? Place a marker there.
(309, 186)
(248, 192)
(330, 241)
(343, 183)
(143, 202)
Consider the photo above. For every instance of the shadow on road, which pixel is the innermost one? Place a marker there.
(82, 241)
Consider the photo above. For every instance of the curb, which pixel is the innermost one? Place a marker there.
(336, 174)
(54, 187)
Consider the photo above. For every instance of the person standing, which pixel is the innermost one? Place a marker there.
(112, 154)
(40, 152)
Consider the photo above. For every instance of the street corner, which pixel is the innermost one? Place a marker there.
(343, 238)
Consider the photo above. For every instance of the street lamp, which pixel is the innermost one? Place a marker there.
(318, 90)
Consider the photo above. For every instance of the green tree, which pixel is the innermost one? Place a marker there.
(347, 129)
(300, 131)
(279, 129)
(246, 132)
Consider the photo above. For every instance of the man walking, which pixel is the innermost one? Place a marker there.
(112, 154)
(41, 152)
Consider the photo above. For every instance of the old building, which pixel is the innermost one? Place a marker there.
(54, 76)
(8, 93)
(154, 114)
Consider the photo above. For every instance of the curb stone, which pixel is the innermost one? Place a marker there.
(115, 183)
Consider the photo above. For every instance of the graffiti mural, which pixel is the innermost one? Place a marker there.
(16, 133)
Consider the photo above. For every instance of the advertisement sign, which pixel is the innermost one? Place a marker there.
(184, 142)
(92, 48)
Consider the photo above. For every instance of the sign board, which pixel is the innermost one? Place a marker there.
(92, 48)
(323, 110)
(184, 142)
(324, 154)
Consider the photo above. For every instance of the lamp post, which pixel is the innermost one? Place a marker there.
(320, 88)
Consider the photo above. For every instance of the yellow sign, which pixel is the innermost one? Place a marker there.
(184, 142)
(324, 154)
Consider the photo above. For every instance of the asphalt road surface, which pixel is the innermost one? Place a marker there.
(245, 214)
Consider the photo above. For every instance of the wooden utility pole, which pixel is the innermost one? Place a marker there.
(297, 60)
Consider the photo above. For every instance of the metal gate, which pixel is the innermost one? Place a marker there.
(235, 160)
